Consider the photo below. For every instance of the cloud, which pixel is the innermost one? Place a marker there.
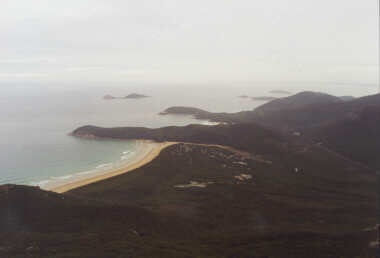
(188, 41)
(17, 75)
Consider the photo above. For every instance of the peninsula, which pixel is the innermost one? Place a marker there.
(245, 188)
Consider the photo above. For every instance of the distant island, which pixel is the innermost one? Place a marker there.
(130, 96)
(108, 97)
(283, 92)
(136, 96)
(263, 98)
(183, 111)
(243, 96)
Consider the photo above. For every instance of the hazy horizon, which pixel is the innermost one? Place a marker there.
(199, 42)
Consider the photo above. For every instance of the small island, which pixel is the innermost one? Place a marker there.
(183, 111)
(135, 96)
(243, 96)
(108, 97)
(130, 96)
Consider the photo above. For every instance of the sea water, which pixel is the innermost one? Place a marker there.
(36, 119)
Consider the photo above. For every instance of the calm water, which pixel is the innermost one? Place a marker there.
(35, 121)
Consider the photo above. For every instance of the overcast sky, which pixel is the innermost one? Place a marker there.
(189, 41)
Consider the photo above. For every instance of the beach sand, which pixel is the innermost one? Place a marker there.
(149, 151)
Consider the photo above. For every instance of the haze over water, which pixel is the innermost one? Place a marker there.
(34, 139)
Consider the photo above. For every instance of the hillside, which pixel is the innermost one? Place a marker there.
(248, 137)
(296, 101)
(202, 201)
(223, 117)
(356, 137)
(347, 126)
(281, 114)
(296, 114)
(257, 193)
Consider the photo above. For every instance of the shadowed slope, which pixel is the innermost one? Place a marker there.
(326, 203)
(248, 137)
(327, 207)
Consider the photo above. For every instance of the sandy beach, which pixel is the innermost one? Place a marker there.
(148, 152)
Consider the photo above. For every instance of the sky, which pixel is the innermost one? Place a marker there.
(198, 41)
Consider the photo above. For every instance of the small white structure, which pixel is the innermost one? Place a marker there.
(194, 184)
(243, 177)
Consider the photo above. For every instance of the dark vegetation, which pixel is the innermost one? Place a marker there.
(239, 117)
(307, 110)
(275, 195)
(357, 137)
(299, 100)
(346, 126)
(280, 114)
(246, 137)
(135, 96)
(325, 209)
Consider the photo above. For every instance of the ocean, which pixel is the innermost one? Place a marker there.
(36, 120)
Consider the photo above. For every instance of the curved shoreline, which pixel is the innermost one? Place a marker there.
(139, 161)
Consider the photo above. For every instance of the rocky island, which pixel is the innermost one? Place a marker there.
(109, 97)
(130, 96)
(180, 110)
(135, 96)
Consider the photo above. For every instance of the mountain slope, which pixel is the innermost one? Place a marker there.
(357, 138)
(248, 137)
(300, 111)
(299, 100)
(350, 127)
(270, 196)
(300, 116)
(327, 208)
